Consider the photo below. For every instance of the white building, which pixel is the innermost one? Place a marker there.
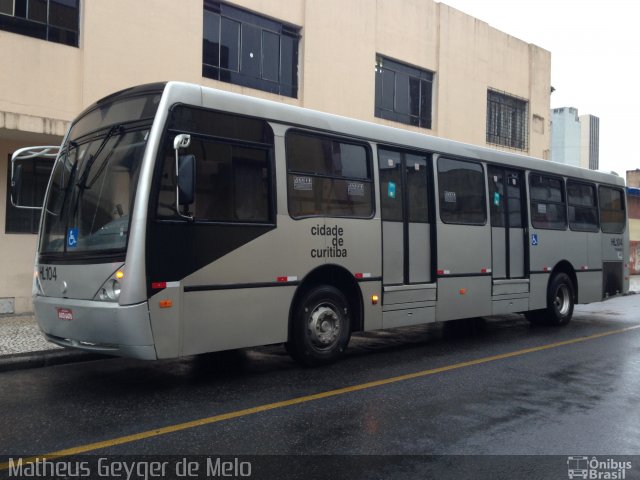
(414, 64)
(575, 139)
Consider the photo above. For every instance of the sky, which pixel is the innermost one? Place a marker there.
(595, 61)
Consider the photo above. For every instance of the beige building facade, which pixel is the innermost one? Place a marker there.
(476, 84)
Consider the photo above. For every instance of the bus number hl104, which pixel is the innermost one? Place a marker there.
(48, 273)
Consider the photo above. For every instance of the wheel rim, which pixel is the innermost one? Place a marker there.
(324, 326)
(562, 300)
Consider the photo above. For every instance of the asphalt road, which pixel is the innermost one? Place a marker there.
(497, 387)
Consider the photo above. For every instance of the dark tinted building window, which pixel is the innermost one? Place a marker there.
(583, 208)
(52, 20)
(548, 207)
(328, 177)
(507, 120)
(461, 192)
(251, 50)
(35, 176)
(612, 210)
(403, 93)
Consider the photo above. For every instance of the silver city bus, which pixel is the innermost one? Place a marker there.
(181, 219)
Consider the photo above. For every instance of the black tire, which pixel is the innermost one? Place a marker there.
(321, 327)
(560, 302)
(560, 299)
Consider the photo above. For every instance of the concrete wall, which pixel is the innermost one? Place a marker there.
(44, 85)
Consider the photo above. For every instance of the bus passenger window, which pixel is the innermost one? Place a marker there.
(612, 210)
(327, 177)
(461, 192)
(548, 207)
(583, 211)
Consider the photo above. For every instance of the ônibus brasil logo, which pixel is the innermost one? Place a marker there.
(594, 468)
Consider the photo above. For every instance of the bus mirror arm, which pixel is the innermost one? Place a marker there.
(185, 176)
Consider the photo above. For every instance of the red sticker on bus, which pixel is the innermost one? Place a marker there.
(64, 314)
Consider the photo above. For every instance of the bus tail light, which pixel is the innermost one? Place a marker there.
(374, 299)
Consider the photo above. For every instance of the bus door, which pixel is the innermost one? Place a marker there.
(406, 226)
(507, 222)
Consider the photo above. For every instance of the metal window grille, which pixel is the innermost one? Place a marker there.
(507, 120)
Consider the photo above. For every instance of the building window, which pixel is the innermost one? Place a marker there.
(53, 20)
(35, 176)
(403, 93)
(246, 49)
(507, 123)
(328, 177)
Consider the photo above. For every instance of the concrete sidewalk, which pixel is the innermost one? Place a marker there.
(22, 345)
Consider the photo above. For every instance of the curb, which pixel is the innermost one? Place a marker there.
(46, 358)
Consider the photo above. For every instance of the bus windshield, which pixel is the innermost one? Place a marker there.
(95, 178)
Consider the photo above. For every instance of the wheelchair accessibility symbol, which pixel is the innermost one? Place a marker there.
(534, 239)
(72, 238)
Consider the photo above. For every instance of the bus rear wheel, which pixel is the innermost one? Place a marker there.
(560, 302)
(321, 327)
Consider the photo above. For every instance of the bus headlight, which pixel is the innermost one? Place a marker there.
(110, 290)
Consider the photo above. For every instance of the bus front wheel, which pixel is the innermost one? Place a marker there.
(560, 302)
(321, 327)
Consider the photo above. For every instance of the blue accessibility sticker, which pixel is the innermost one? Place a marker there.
(534, 239)
(72, 238)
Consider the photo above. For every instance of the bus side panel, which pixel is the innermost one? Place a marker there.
(463, 297)
(238, 318)
(464, 253)
(165, 312)
(615, 253)
(549, 248)
(538, 290)
(590, 286)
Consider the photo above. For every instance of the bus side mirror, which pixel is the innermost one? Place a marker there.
(22, 159)
(186, 179)
(185, 176)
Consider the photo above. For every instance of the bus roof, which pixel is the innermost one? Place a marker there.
(306, 118)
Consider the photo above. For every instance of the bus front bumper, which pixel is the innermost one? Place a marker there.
(99, 327)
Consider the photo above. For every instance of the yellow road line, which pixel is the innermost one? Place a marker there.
(298, 400)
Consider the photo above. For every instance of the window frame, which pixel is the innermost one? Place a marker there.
(247, 22)
(333, 138)
(563, 193)
(592, 186)
(425, 100)
(497, 103)
(440, 198)
(43, 30)
(172, 130)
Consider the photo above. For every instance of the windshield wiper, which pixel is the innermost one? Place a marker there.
(67, 186)
(82, 182)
